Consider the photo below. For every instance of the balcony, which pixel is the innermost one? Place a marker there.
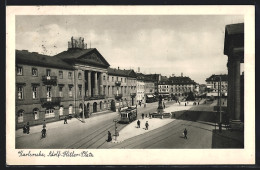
(118, 96)
(118, 83)
(50, 102)
(49, 80)
(132, 94)
(96, 97)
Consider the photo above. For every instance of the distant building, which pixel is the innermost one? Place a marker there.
(213, 84)
(145, 88)
(181, 86)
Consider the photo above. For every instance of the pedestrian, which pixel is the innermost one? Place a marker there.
(44, 124)
(142, 116)
(164, 105)
(138, 123)
(24, 129)
(185, 133)
(146, 125)
(109, 138)
(65, 120)
(198, 103)
(43, 132)
(185, 103)
(28, 128)
(146, 115)
(144, 104)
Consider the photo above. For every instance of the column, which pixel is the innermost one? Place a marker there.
(89, 83)
(101, 84)
(237, 88)
(96, 85)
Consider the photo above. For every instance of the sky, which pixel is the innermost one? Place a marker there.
(164, 44)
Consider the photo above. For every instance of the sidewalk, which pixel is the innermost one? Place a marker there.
(131, 129)
(56, 124)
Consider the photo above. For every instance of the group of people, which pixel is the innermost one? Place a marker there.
(109, 136)
(139, 124)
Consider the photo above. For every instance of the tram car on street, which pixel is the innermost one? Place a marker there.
(127, 115)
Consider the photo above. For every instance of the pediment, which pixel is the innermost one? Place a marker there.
(94, 57)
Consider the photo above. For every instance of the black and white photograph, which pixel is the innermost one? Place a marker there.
(130, 81)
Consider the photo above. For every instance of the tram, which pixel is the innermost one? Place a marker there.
(128, 114)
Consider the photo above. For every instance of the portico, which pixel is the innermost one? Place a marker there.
(234, 49)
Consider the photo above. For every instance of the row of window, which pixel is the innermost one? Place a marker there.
(20, 92)
(48, 73)
(49, 113)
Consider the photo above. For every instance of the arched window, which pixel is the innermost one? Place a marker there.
(61, 110)
(36, 113)
(70, 109)
(49, 113)
(20, 116)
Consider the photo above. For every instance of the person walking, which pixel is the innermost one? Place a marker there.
(28, 128)
(138, 123)
(109, 137)
(24, 129)
(142, 116)
(146, 125)
(65, 120)
(44, 124)
(185, 133)
(163, 105)
(43, 132)
(185, 103)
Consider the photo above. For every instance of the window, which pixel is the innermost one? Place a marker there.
(80, 90)
(112, 78)
(20, 116)
(61, 111)
(34, 72)
(121, 79)
(49, 113)
(70, 91)
(104, 77)
(107, 78)
(61, 74)
(36, 113)
(116, 78)
(20, 92)
(70, 109)
(48, 72)
(79, 76)
(70, 75)
(35, 95)
(108, 90)
(19, 70)
(60, 91)
(125, 89)
(113, 90)
(125, 79)
(49, 93)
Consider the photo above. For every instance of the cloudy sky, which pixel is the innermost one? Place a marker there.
(192, 45)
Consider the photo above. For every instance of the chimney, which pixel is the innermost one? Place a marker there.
(118, 68)
(181, 74)
(138, 69)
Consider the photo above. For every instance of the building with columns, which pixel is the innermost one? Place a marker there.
(234, 49)
(52, 87)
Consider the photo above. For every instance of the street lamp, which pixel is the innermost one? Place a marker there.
(219, 101)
